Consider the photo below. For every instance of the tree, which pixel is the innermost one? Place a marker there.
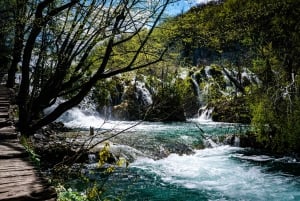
(6, 19)
(261, 36)
(59, 57)
(20, 18)
(271, 29)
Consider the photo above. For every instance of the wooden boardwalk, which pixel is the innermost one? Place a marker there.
(19, 179)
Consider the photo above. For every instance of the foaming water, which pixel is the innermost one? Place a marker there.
(77, 118)
(84, 119)
(217, 170)
(218, 173)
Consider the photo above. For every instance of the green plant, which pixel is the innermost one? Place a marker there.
(93, 189)
(30, 150)
(69, 194)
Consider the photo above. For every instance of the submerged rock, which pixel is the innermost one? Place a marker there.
(180, 148)
(117, 151)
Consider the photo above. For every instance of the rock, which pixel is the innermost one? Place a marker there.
(180, 149)
(120, 111)
(39, 137)
(117, 151)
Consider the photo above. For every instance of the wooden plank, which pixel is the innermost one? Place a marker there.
(4, 124)
(19, 179)
(15, 169)
(8, 129)
(18, 189)
(11, 146)
(26, 181)
(18, 173)
(8, 136)
(44, 194)
(31, 192)
(12, 150)
(15, 181)
(14, 155)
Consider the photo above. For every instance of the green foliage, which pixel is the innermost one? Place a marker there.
(6, 34)
(108, 92)
(94, 189)
(170, 94)
(30, 150)
(260, 35)
(69, 195)
(277, 128)
(264, 37)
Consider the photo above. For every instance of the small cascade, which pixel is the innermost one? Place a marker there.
(197, 89)
(84, 116)
(209, 143)
(236, 142)
(207, 72)
(107, 111)
(205, 114)
(143, 94)
(78, 118)
(88, 104)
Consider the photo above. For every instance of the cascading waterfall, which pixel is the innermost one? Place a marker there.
(142, 93)
(197, 90)
(205, 114)
(78, 118)
(83, 116)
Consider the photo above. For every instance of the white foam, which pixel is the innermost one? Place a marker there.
(215, 169)
(77, 118)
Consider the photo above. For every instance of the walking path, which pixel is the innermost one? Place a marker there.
(19, 179)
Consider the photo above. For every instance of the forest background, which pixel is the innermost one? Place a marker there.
(55, 45)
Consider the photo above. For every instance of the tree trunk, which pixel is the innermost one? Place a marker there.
(67, 48)
(18, 42)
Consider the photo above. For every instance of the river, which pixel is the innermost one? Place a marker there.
(219, 173)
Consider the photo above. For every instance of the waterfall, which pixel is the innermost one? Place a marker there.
(78, 118)
(84, 116)
(236, 142)
(209, 143)
(207, 71)
(205, 114)
(197, 89)
(143, 94)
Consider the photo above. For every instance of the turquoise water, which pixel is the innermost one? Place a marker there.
(219, 173)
